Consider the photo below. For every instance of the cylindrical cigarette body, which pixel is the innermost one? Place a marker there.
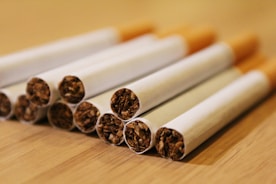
(94, 80)
(42, 58)
(183, 134)
(146, 93)
(42, 88)
(139, 133)
(60, 115)
(27, 112)
(8, 97)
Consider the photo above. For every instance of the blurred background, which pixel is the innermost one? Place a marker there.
(26, 23)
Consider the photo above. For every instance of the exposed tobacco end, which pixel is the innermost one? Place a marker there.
(71, 89)
(124, 103)
(170, 143)
(138, 136)
(61, 116)
(38, 92)
(86, 117)
(5, 105)
(110, 129)
(24, 109)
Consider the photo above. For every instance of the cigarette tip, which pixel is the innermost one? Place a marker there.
(135, 28)
(251, 62)
(200, 37)
(243, 45)
(269, 69)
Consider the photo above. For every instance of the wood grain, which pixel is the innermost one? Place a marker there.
(243, 152)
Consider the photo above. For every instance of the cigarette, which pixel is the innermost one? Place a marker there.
(98, 78)
(8, 97)
(42, 58)
(110, 129)
(148, 92)
(60, 115)
(180, 136)
(139, 133)
(42, 89)
(87, 113)
(27, 112)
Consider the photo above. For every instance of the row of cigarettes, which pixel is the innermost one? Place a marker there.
(170, 89)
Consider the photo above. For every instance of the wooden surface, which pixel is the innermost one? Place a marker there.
(243, 152)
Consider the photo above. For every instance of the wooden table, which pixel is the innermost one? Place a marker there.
(243, 152)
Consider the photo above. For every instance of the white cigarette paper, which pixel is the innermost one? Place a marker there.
(42, 58)
(202, 121)
(168, 82)
(104, 76)
(107, 75)
(45, 57)
(139, 133)
(146, 93)
(9, 96)
(110, 128)
(150, 121)
(51, 78)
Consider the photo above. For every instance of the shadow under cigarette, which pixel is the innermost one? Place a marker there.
(94, 135)
(44, 122)
(220, 143)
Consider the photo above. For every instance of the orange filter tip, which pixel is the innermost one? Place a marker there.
(269, 69)
(198, 38)
(134, 29)
(243, 45)
(251, 62)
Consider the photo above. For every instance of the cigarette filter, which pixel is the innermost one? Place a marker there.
(60, 115)
(42, 88)
(98, 78)
(45, 57)
(8, 97)
(144, 94)
(27, 112)
(139, 133)
(180, 136)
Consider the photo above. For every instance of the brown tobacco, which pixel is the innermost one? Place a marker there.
(24, 109)
(124, 103)
(86, 116)
(137, 136)
(110, 129)
(169, 144)
(38, 92)
(5, 105)
(71, 89)
(60, 116)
